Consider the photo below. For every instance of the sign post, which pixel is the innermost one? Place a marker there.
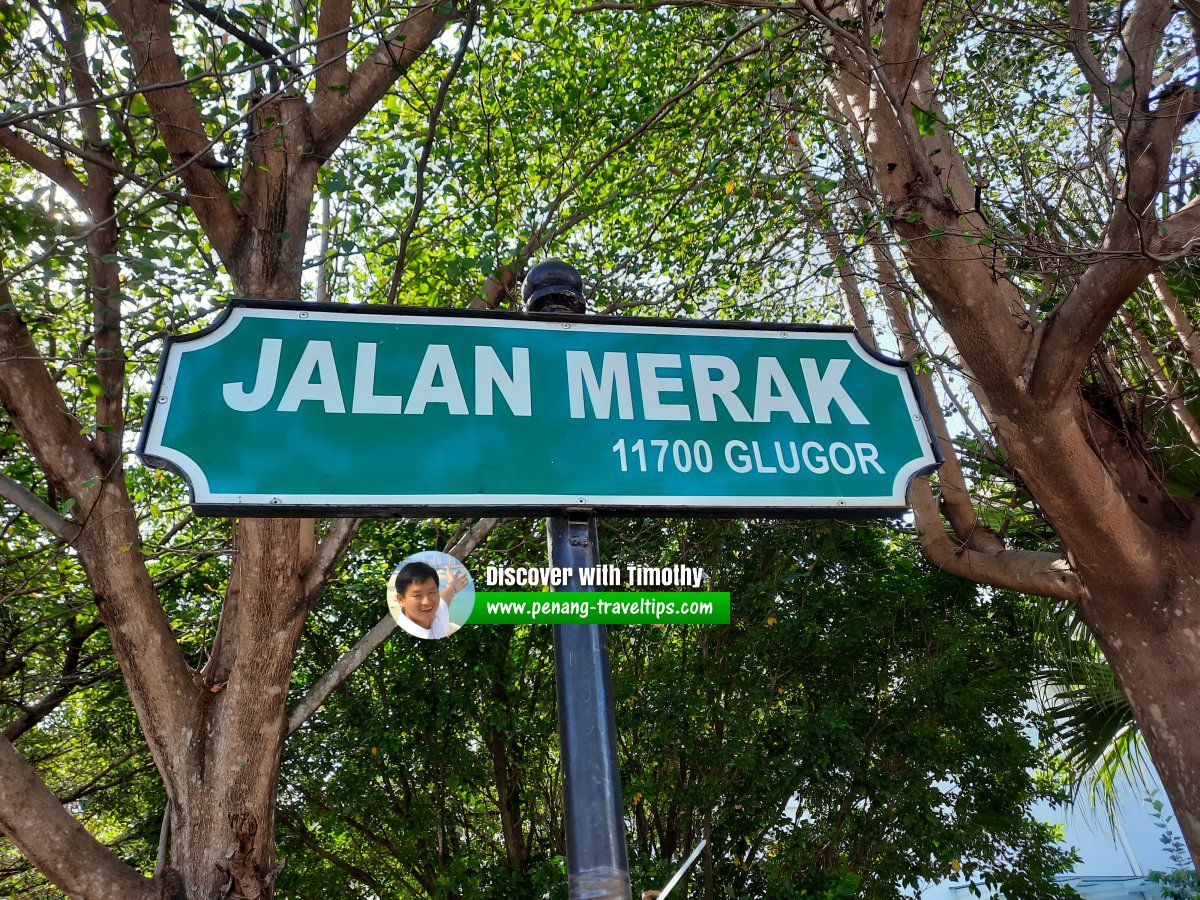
(597, 858)
(597, 861)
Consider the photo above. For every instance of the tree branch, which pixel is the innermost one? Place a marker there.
(372, 640)
(503, 281)
(54, 841)
(100, 780)
(37, 408)
(146, 25)
(1161, 378)
(336, 112)
(340, 671)
(926, 209)
(466, 544)
(1073, 329)
(978, 553)
(435, 115)
(1148, 147)
(107, 543)
(68, 680)
(1179, 233)
(899, 51)
(1089, 65)
(956, 503)
(56, 170)
(31, 504)
(1140, 39)
(1128, 252)
(268, 51)
(328, 554)
(300, 831)
(104, 279)
(1028, 571)
(107, 162)
(847, 280)
(333, 40)
(1178, 318)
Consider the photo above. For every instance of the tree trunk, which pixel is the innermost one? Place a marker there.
(223, 813)
(223, 793)
(1140, 577)
(1155, 654)
(222, 803)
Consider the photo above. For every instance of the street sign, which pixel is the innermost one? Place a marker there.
(306, 408)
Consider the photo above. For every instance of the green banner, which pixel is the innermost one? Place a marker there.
(600, 608)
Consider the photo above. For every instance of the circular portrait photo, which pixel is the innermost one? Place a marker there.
(430, 594)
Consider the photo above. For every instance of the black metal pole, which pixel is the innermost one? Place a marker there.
(597, 861)
(597, 864)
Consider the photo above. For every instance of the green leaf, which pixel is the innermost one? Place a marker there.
(925, 120)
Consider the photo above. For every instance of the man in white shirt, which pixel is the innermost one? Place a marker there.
(416, 602)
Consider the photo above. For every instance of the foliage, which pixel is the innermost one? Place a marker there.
(1093, 734)
(1182, 882)
(864, 722)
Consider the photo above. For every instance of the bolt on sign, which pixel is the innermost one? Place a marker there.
(301, 408)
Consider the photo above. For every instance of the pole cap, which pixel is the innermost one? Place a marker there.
(553, 286)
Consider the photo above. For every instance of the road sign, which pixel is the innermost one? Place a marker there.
(304, 408)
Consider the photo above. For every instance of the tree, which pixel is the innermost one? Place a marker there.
(134, 109)
(1129, 550)
(1020, 180)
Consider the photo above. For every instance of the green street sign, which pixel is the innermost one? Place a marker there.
(301, 408)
